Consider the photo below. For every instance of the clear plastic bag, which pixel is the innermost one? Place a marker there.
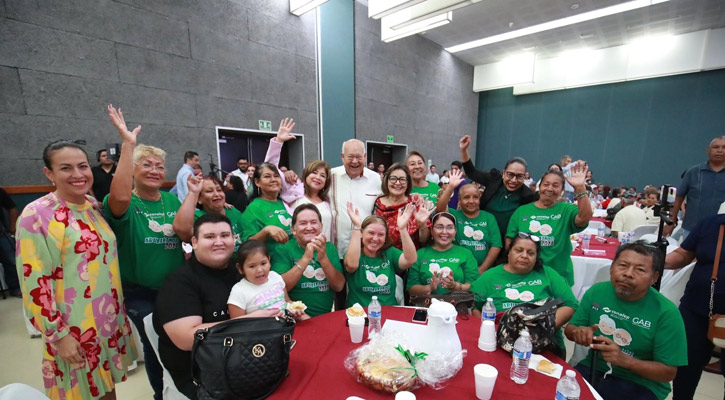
(389, 363)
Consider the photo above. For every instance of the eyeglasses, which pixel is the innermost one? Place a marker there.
(396, 179)
(148, 167)
(529, 236)
(441, 228)
(511, 175)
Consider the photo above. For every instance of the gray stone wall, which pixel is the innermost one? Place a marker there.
(177, 67)
(413, 89)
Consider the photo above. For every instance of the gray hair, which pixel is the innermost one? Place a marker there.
(351, 141)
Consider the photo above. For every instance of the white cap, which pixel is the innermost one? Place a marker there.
(489, 299)
(524, 333)
(570, 373)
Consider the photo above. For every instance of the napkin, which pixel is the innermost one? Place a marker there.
(534, 362)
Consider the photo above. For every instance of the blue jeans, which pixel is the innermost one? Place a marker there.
(699, 350)
(7, 259)
(140, 302)
(616, 388)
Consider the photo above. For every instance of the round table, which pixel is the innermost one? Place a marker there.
(316, 368)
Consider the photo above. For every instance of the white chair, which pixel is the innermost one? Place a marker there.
(399, 286)
(15, 391)
(595, 225)
(643, 230)
(170, 391)
(674, 283)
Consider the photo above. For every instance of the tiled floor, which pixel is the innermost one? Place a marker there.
(20, 361)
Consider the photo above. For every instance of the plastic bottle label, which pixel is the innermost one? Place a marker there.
(491, 316)
(560, 396)
(525, 355)
(375, 314)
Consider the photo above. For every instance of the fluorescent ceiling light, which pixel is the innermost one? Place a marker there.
(380, 8)
(574, 19)
(421, 12)
(387, 34)
(299, 7)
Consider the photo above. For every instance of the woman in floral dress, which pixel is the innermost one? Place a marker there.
(67, 260)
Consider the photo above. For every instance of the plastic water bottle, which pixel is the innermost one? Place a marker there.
(630, 236)
(568, 388)
(489, 310)
(375, 313)
(600, 232)
(585, 242)
(522, 355)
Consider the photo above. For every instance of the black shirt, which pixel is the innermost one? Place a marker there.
(7, 203)
(102, 181)
(192, 290)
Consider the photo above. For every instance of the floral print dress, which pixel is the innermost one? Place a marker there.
(68, 264)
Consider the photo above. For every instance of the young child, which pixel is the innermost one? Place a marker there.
(259, 288)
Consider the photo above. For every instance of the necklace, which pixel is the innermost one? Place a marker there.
(167, 229)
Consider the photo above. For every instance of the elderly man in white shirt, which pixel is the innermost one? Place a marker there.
(629, 217)
(354, 183)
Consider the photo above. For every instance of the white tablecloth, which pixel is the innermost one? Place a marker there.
(590, 270)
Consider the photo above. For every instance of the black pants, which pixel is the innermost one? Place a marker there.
(7, 259)
(614, 388)
(699, 350)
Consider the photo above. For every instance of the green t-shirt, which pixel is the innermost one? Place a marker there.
(649, 329)
(313, 289)
(502, 205)
(261, 213)
(235, 216)
(553, 226)
(148, 248)
(457, 259)
(429, 192)
(375, 276)
(477, 234)
(508, 289)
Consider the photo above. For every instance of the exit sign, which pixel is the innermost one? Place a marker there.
(391, 139)
(265, 125)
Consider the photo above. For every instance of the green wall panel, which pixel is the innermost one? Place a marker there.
(632, 133)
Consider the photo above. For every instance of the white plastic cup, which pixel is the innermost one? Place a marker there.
(357, 328)
(405, 395)
(487, 338)
(485, 376)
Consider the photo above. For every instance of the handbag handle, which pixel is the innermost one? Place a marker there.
(715, 266)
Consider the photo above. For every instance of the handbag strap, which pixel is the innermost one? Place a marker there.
(715, 266)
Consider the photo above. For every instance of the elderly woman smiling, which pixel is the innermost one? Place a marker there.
(524, 278)
(442, 266)
(554, 221)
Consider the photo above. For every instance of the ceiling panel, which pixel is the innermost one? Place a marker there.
(492, 17)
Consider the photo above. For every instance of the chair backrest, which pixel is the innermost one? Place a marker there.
(649, 237)
(643, 230)
(596, 225)
(170, 391)
(399, 295)
(21, 391)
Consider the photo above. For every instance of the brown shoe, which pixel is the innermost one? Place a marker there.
(713, 368)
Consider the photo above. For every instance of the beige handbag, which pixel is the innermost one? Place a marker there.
(716, 330)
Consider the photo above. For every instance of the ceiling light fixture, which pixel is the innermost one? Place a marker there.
(574, 19)
(388, 34)
(426, 10)
(380, 8)
(299, 7)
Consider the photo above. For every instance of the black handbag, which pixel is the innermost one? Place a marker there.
(539, 319)
(461, 299)
(242, 359)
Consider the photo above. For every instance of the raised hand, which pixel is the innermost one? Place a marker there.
(448, 282)
(284, 133)
(578, 174)
(354, 215)
(423, 211)
(290, 177)
(119, 122)
(455, 178)
(194, 183)
(404, 215)
(464, 142)
(320, 243)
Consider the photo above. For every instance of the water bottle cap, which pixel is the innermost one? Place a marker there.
(375, 297)
(525, 333)
(570, 373)
(489, 299)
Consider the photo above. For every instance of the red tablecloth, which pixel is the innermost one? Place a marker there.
(317, 371)
(610, 246)
(606, 222)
